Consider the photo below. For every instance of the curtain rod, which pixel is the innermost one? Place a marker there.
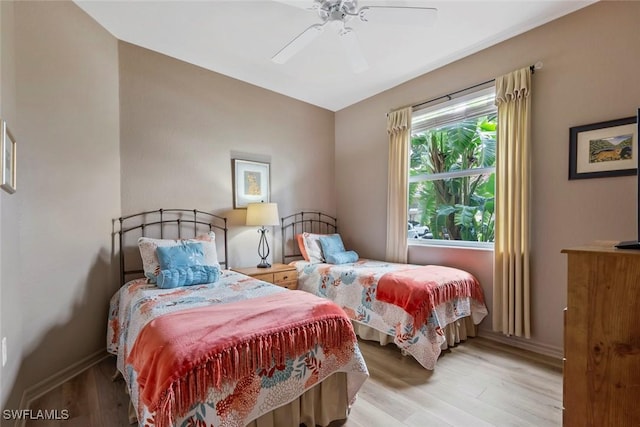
(537, 66)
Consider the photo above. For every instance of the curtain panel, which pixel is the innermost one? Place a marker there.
(511, 288)
(399, 130)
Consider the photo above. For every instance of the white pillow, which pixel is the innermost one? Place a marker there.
(151, 264)
(312, 247)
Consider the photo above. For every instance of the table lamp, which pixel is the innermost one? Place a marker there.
(263, 214)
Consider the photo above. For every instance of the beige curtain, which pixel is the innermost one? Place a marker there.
(511, 301)
(399, 130)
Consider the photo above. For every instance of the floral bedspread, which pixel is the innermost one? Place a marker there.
(137, 303)
(353, 287)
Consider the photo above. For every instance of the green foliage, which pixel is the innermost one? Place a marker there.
(458, 208)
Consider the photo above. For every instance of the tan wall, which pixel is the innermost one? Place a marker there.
(591, 58)
(181, 125)
(10, 313)
(66, 127)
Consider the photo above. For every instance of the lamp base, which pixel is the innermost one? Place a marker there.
(263, 248)
(264, 264)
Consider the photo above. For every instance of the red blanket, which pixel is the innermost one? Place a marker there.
(179, 356)
(419, 290)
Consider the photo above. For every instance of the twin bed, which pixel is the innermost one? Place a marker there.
(207, 346)
(234, 352)
(422, 309)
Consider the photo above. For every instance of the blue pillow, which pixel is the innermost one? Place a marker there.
(331, 244)
(185, 254)
(187, 276)
(343, 257)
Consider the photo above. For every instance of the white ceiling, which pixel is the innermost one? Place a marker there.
(238, 39)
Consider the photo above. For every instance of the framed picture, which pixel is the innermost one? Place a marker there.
(603, 149)
(8, 161)
(250, 182)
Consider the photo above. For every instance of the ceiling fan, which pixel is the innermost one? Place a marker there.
(337, 13)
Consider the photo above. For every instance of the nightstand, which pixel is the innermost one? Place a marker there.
(278, 274)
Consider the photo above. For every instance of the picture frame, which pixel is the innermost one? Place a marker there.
(8, 161)
(603, 149)
(251, 182)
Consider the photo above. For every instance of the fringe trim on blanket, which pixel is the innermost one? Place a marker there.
(466, 288)
(244, 359)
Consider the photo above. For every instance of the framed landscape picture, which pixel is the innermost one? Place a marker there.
(250, 182)
(603, 149)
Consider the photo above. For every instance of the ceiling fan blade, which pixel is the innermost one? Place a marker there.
(349, 40)
(397, 15)
(297, 44)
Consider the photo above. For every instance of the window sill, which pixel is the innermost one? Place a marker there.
(451, 244)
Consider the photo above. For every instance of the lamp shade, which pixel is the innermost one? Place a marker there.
(262, 214)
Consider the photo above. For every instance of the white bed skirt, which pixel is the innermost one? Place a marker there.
(319, 406)
(453, 332)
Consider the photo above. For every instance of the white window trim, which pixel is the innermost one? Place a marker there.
(454, 244)
(454, 174)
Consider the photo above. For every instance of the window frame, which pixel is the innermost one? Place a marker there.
(476, 94)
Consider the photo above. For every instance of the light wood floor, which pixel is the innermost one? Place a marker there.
(478, 383)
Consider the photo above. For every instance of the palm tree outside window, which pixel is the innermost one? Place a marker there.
(452, 171)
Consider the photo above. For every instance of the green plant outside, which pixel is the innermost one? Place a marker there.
(460, 208)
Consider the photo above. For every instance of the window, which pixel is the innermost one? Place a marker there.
(452, 171)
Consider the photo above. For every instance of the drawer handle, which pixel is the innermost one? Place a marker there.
(285, 277)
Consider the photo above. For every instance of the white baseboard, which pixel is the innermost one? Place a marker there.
(556, 353)
(43, 387)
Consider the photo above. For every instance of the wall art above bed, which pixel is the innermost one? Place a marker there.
(250, 182)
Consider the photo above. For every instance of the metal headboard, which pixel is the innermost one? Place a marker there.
(169, 224)
(301, 222)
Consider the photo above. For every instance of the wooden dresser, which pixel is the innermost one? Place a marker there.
(602, 337)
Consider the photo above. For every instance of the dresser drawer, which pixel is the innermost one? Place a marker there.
(291, 284)
(268, 277)
(285, 276)
(287, 279)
